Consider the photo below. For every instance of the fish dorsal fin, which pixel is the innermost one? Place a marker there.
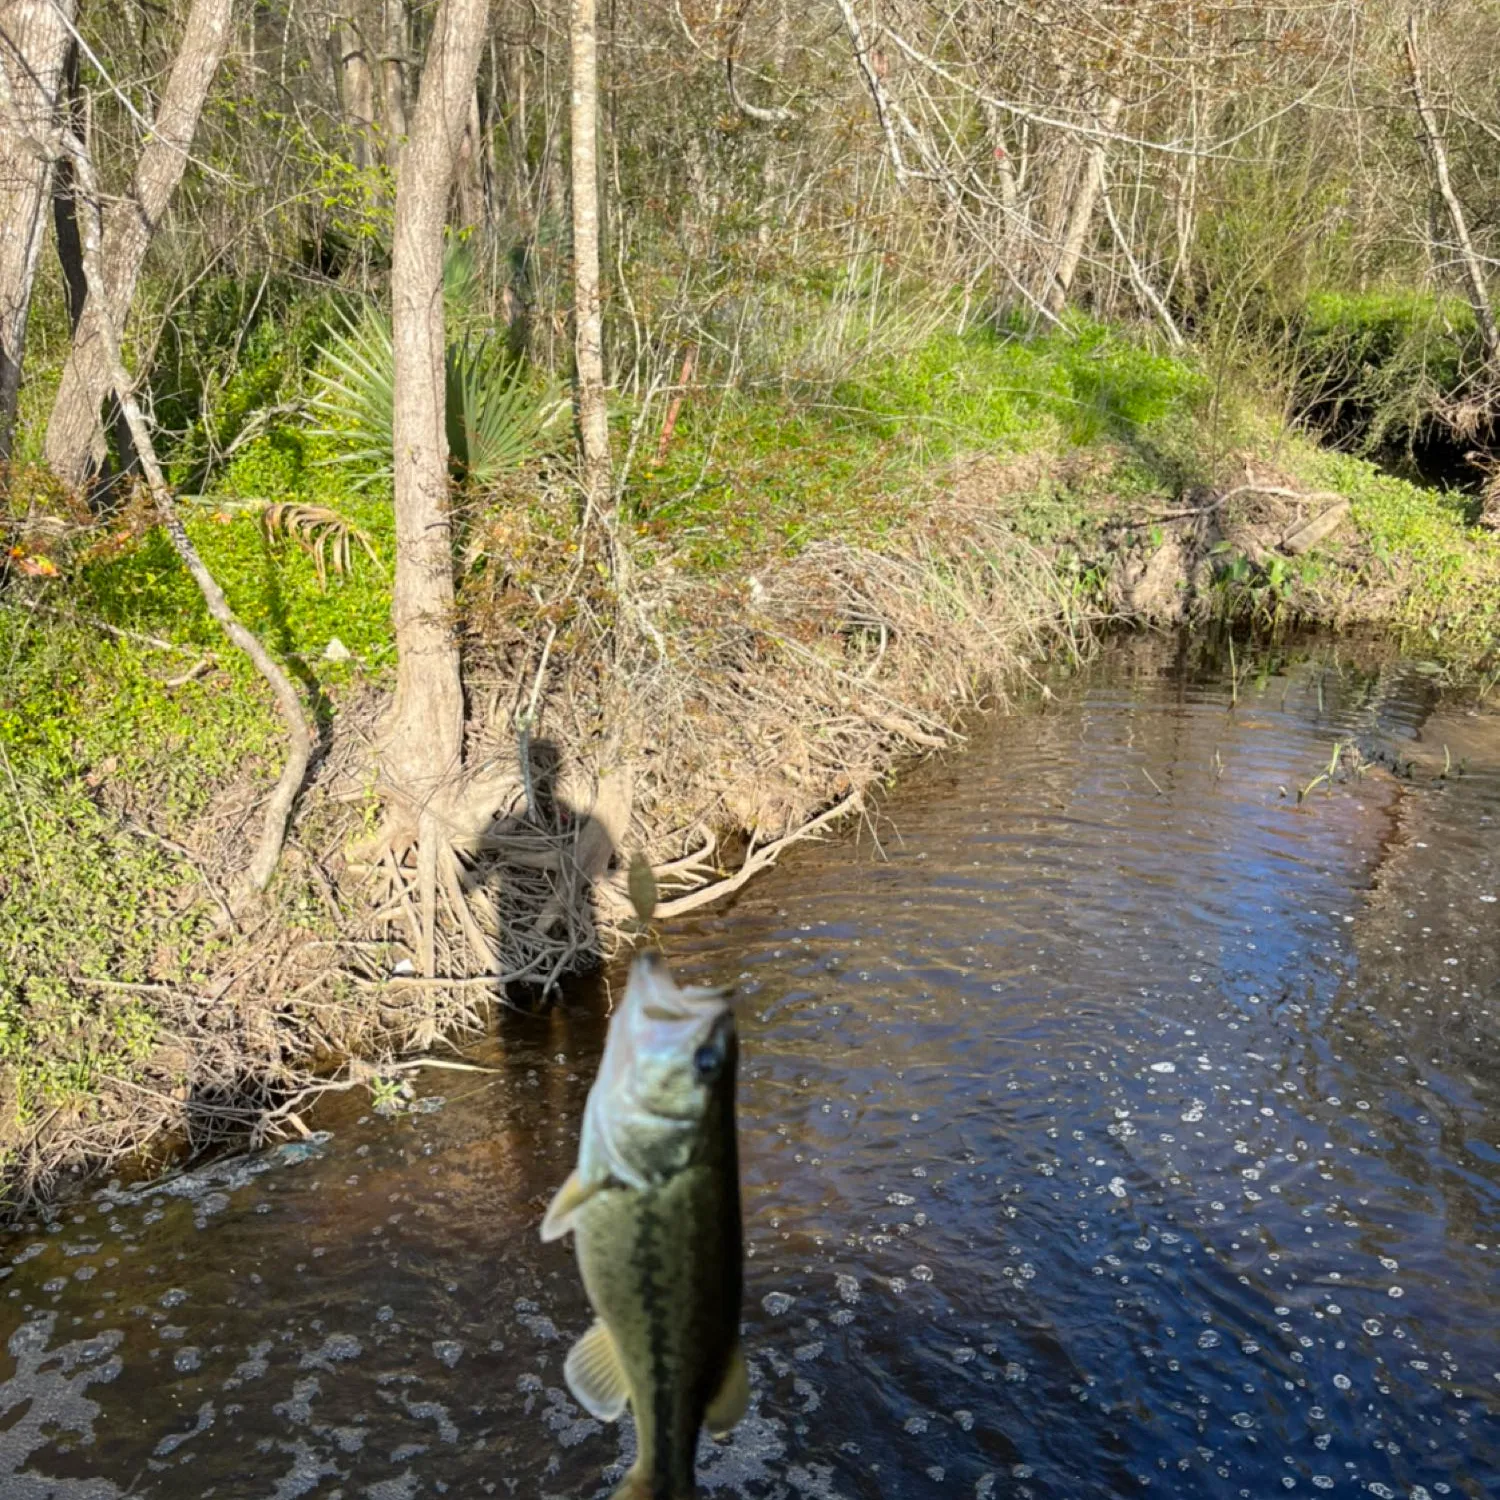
(732, 1399)
(570, 1197)
(595, 1375)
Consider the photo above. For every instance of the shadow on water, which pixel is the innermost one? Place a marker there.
(1121, 1126)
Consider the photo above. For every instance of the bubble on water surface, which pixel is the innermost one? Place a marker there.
(174, 1440)
(435, 1411)
(403, 1487)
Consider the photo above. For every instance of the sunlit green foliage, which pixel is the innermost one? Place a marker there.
(1377, 365)
(843, 460)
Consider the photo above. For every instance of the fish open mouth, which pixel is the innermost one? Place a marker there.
(664, 1001)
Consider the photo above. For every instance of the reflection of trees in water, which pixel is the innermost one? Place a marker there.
(1414, 1027)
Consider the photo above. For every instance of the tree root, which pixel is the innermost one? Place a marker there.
(757, 860)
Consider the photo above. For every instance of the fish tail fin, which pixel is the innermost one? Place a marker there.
(636, 1485)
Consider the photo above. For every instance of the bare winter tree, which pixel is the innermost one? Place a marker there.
(1474, 278)
(34, 40)
(75, 434)
(588, 334)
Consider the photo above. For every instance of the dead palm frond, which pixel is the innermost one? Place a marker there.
(326, 536)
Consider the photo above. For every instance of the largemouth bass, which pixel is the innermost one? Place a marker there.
(654, 1204)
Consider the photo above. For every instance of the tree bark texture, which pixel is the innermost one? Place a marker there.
(588, 315)
(472, 200)
(75, 434)
(1479, 298)
(396, 26)
(424, 745)
(34, 44)
(1081, 212)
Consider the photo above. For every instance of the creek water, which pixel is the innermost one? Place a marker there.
(1111, 1124)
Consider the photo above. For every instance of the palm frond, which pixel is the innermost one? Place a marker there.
(356, 396)
(326, 536)
(495, 420)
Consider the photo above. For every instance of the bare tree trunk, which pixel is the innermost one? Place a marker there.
(424, 742)
(471, 203)
(1081, 213)
(74, 432)
(396, 47)
(1086, 196)
(357, 90)
(588, 333)
(1479, 297)
(279, 809)
(34, 43)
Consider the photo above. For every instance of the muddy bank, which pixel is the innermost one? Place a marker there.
(711, 721)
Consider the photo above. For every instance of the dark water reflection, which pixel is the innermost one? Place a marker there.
(1118, 1127)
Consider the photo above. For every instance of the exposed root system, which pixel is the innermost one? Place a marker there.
(709, 725)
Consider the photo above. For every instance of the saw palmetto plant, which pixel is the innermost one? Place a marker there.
(496, 419)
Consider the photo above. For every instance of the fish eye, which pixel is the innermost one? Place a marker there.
(707, 1061)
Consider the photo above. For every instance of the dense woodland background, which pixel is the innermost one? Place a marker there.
(784, 189)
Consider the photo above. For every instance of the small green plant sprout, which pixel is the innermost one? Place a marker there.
(1328, 775)
(390, 1095)
(326, 536)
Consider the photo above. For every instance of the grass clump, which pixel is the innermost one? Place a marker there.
(1425, 566)
(769, 471)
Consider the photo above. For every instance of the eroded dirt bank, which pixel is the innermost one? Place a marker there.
(710, 722)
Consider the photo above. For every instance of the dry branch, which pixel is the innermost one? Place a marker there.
(756, 861)
(1479, 298)
(278, 810)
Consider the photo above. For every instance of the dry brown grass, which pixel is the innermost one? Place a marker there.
(707, 723)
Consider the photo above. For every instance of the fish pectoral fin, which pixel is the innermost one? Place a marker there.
(732, 1398)
(596, 1376)
(570, 1197)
